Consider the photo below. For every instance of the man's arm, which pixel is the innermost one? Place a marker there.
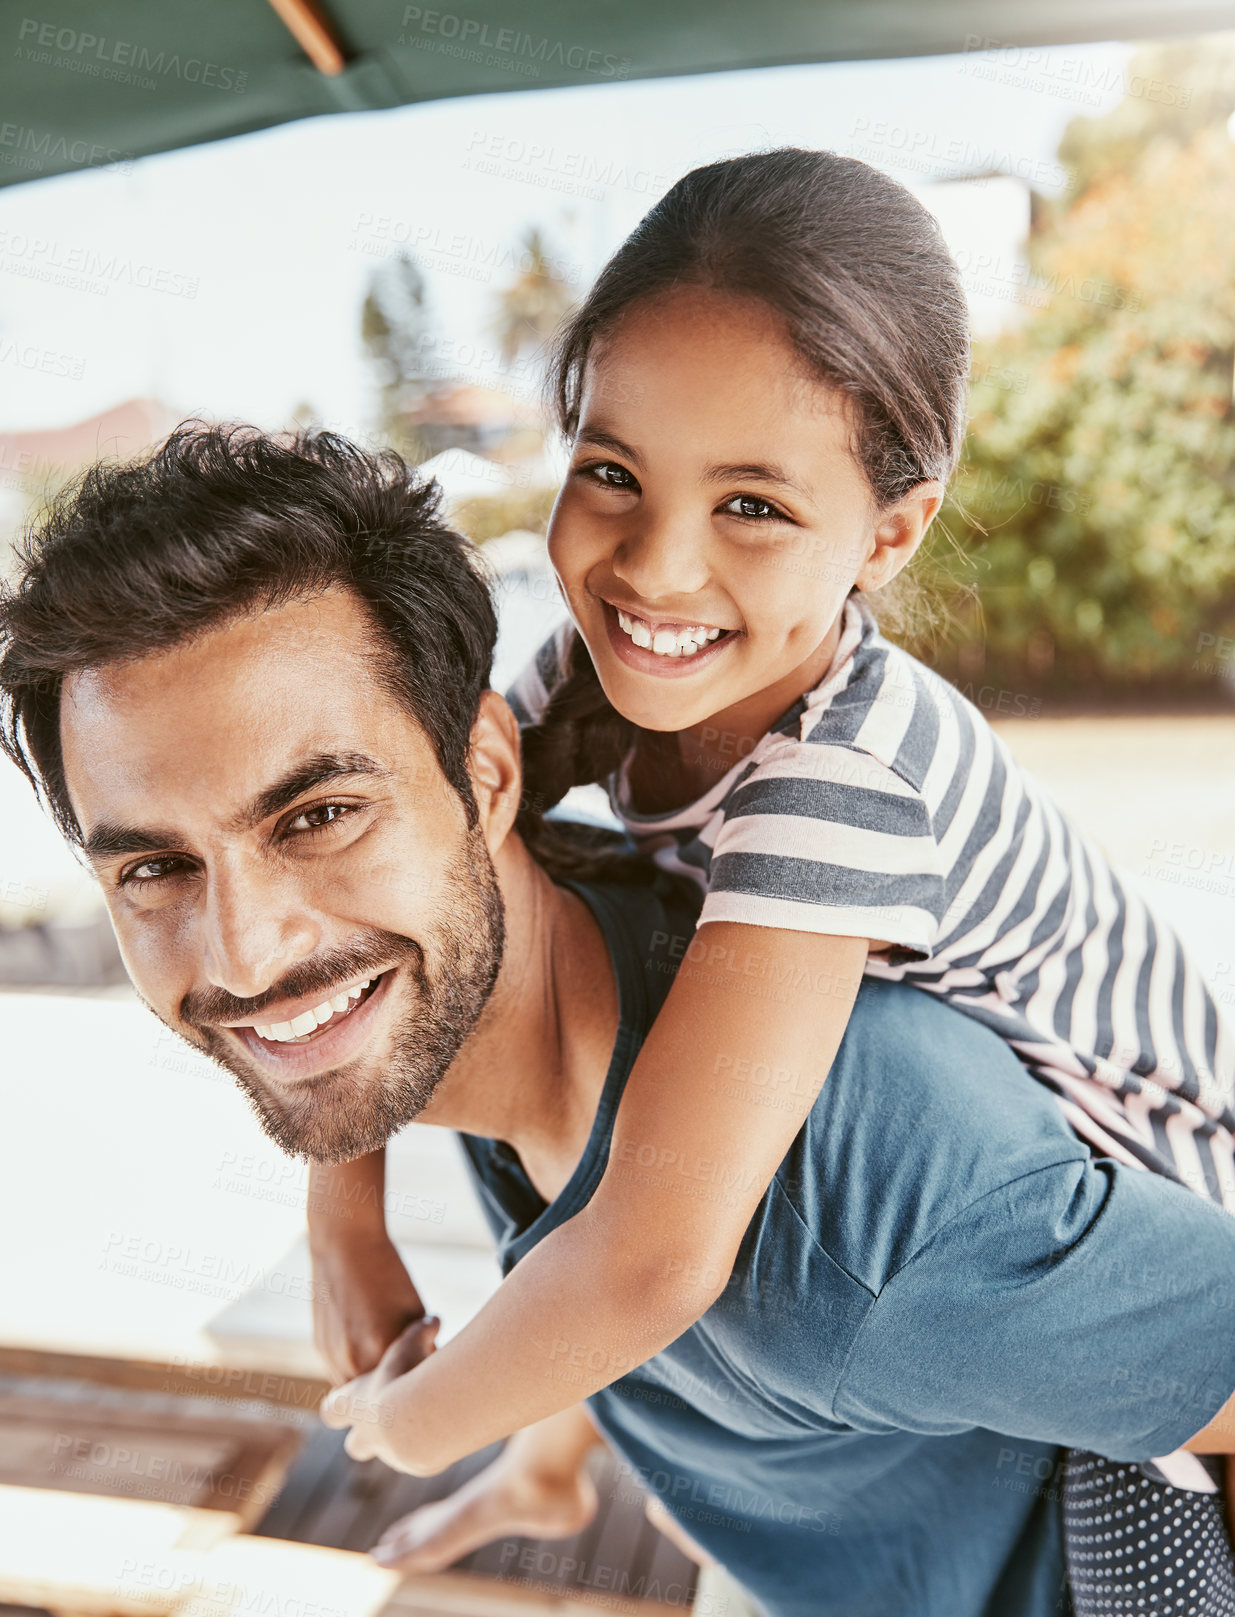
(363, 1297)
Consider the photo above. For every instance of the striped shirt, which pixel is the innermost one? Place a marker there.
(883, 806)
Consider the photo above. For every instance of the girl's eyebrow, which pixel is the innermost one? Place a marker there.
(600, 439)
(760, 471)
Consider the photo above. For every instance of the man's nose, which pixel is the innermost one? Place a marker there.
(663, 559)
(257, 926)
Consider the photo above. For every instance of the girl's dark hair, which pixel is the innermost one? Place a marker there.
(222, 521)
(857, 271)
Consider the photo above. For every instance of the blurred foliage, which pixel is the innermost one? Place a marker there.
(531, 308)
(397, 328)
(488, 516)
(1089, 543)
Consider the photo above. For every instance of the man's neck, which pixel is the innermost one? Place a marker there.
(532, 1070)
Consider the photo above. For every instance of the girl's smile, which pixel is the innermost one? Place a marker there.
(665, 648)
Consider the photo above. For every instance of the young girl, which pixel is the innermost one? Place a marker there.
(765, 395)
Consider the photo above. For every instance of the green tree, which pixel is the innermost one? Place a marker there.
(397, 327)
(530, 309)
(1095, 503)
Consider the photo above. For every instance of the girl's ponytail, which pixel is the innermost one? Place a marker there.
(580, 738)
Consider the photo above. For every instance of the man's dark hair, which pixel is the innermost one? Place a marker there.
(222, 521)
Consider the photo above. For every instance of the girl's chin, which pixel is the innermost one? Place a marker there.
(666, 711)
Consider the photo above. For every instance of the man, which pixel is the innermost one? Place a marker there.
(249, 677)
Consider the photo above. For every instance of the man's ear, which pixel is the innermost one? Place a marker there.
(899, 530)
(494, 765)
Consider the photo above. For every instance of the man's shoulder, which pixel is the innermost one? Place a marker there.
(647, 925)
(925, 1112)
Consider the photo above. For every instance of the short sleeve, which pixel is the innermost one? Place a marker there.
(529, 695)
(1085, 1304)
(826, 838)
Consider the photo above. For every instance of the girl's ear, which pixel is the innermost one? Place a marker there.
(898, 532)
(494, 767)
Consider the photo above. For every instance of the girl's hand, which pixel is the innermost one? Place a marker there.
(363, 1299)
(360, 1403)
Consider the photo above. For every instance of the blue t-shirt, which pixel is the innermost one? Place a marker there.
(940, 1288)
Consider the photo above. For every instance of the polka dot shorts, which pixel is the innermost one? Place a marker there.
(1137, 1547)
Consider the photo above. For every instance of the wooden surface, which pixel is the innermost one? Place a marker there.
(100, 1556)
(81, 1553)
(214, 1469)
(332, 1500)
(77, 1440)
(127, 1558)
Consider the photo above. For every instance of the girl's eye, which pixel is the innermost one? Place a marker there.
(752, 509)
(609, 475)
(318, 817)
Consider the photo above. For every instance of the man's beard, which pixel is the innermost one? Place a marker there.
(350, 1111)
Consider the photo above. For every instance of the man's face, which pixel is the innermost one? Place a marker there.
(280, 852)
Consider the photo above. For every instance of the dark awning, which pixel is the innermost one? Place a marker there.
(84, 84)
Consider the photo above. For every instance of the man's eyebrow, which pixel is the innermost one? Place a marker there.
(762, 471)
(108, 839)
(602, 439)
(321, 769)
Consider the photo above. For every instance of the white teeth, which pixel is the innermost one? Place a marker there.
(309, 1021)
(667, 642)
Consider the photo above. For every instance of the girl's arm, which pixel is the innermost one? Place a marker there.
(724, 1081)
(1219, 1436)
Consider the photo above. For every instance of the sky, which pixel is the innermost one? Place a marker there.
(227, 279)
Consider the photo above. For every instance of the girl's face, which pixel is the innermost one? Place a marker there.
(714, 517)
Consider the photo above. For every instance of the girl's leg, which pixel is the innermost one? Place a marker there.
(1138, 1547)
(538, 1487)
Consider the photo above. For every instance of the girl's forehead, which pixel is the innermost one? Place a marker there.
(694, 314)
(713, 343)
(700, 366)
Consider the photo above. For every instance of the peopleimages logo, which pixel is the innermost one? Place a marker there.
(23, 147)
(509, 47)
(50, 44)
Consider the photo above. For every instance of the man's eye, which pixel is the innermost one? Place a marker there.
(610, 475)
(753, 509)
(315, 819)
(151, 870)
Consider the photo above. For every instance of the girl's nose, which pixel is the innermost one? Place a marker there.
(661, 562)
